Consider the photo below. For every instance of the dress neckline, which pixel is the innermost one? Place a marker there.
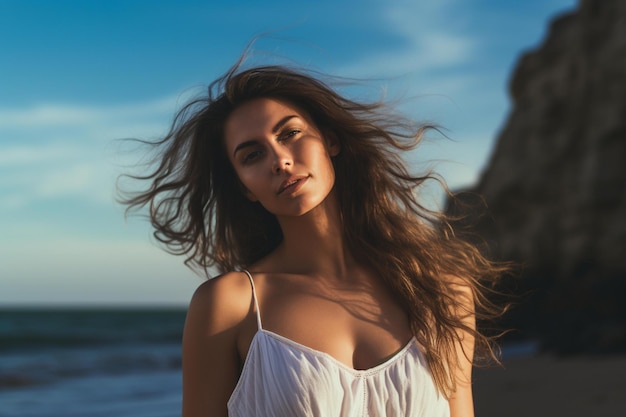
(303, 348)
(285, 341)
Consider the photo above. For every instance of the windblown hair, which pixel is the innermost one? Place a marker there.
(198, 210)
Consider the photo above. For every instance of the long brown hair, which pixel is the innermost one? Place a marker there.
(196, 213)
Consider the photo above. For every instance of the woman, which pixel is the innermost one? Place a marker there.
(340, 294)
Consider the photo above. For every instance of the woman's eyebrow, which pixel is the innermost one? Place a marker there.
(275, 129)
(282, 122)
(243, 145)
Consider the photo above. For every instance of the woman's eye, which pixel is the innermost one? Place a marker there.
(291, 133)
(251, 156)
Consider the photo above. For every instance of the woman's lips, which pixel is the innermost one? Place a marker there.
(292, 184)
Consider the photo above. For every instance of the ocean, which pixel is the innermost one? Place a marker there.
(99, 362)
(90, 362)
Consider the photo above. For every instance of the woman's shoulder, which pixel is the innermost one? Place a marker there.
(210, 348)
(229, 282)
(223, 301)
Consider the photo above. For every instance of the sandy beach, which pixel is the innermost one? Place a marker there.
(551, 386)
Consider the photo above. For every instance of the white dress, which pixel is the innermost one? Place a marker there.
(282, 378)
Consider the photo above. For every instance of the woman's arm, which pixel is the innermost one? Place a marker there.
(461, 400)
(211, 360)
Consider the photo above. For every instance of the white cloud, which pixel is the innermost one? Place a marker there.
(77, 181)
(71, 180)
(46, 115)
(59, 114)
(30, 154)
(55, 172)
(427, 41)
(53, 151)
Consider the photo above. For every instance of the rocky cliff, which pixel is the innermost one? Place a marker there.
(556, 184)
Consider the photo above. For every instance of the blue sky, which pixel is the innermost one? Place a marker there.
(77, 75)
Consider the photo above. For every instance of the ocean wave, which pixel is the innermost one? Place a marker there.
(39, 347)
(30, 369)
(43, 329)
(20, 342)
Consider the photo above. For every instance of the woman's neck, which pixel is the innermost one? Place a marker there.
(314, 243)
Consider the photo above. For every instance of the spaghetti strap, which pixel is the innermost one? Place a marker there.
(256, 302)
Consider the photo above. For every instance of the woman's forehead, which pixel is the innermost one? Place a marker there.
(260, 109)
(259, 116)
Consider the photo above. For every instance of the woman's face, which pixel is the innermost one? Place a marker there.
(279, 156)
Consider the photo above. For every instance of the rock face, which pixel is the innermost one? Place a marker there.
(556, 184)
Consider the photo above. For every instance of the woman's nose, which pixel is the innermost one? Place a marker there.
(282, 160)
